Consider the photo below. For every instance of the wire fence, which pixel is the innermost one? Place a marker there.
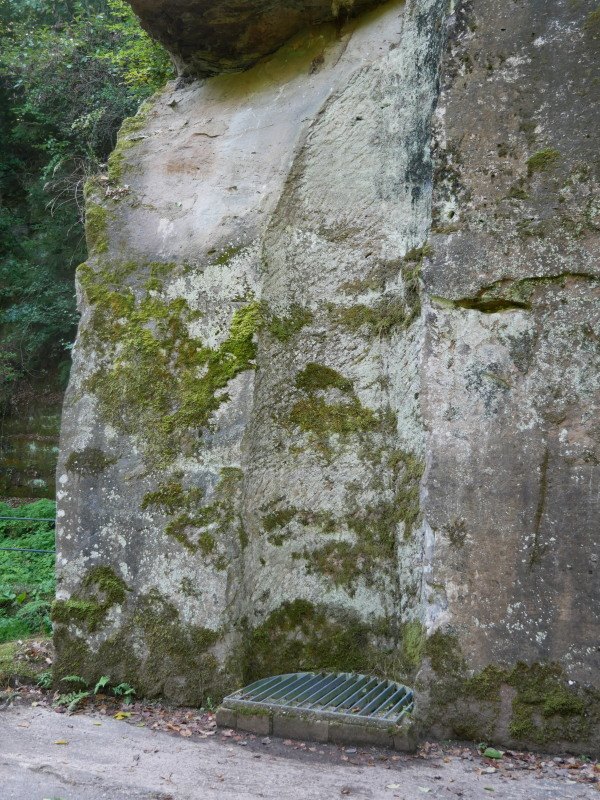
(26, 519)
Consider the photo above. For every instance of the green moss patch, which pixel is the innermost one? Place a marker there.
(159, 383)
(301, 636)
(391, 312)
(380, 319)
(189, 516)
(314, 415)
(373, 552)
(316, 377)
(546, 708)
(285, 328)
(117, 162)
(96, 228)
(543, 161)
(99, 591)
(155, 652)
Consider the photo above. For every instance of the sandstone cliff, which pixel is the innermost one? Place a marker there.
(334, 400)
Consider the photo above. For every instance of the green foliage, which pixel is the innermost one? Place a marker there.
(26, 579)
(44, 680)
(72, 700)
(124, 690)
(70, 72)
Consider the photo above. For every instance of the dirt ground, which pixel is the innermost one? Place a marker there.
(151, 753)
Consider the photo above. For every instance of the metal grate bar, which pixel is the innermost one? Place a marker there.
(391, 701)
(306, 690)
(282, 684)
(404, 702)
(376, 702)
(343, 694)
(295, 691)
(322, 681)
(330, 698)
(360, 704)
(263, 683)
(350, 692)
(327, 691)
(364, 690)
(329, 695)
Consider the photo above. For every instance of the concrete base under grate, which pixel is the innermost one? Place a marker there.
(309, 728)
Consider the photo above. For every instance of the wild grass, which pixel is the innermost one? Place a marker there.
(26, 579)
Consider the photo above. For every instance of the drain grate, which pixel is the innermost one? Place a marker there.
(341, 696)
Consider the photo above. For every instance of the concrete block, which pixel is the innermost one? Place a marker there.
(405, 739)
(226, 718)
(292, 727)
(255, 723)
(348, 733)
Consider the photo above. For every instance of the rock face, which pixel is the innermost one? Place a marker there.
(334, 399)
(206, 37)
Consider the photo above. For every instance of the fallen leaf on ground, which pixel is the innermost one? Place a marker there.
(122, 714)
(61, 741)
(491, 752)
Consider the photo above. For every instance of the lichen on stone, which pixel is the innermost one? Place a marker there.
(88, 461)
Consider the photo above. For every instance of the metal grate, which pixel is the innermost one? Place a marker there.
(357, 698)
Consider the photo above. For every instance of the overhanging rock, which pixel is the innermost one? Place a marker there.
(211, 36)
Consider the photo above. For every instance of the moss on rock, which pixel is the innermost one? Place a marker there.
(96, 228)
(546, 709)
(302, 636)
(316, 377)
(154, 651)
(100, 590)
(285, 328)
(158, 382)
(543, 160)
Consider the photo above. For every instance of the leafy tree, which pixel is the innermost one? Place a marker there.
(70, 71)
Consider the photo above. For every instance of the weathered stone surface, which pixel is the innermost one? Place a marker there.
(298, 435)
(511, 362)
(211, 36)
